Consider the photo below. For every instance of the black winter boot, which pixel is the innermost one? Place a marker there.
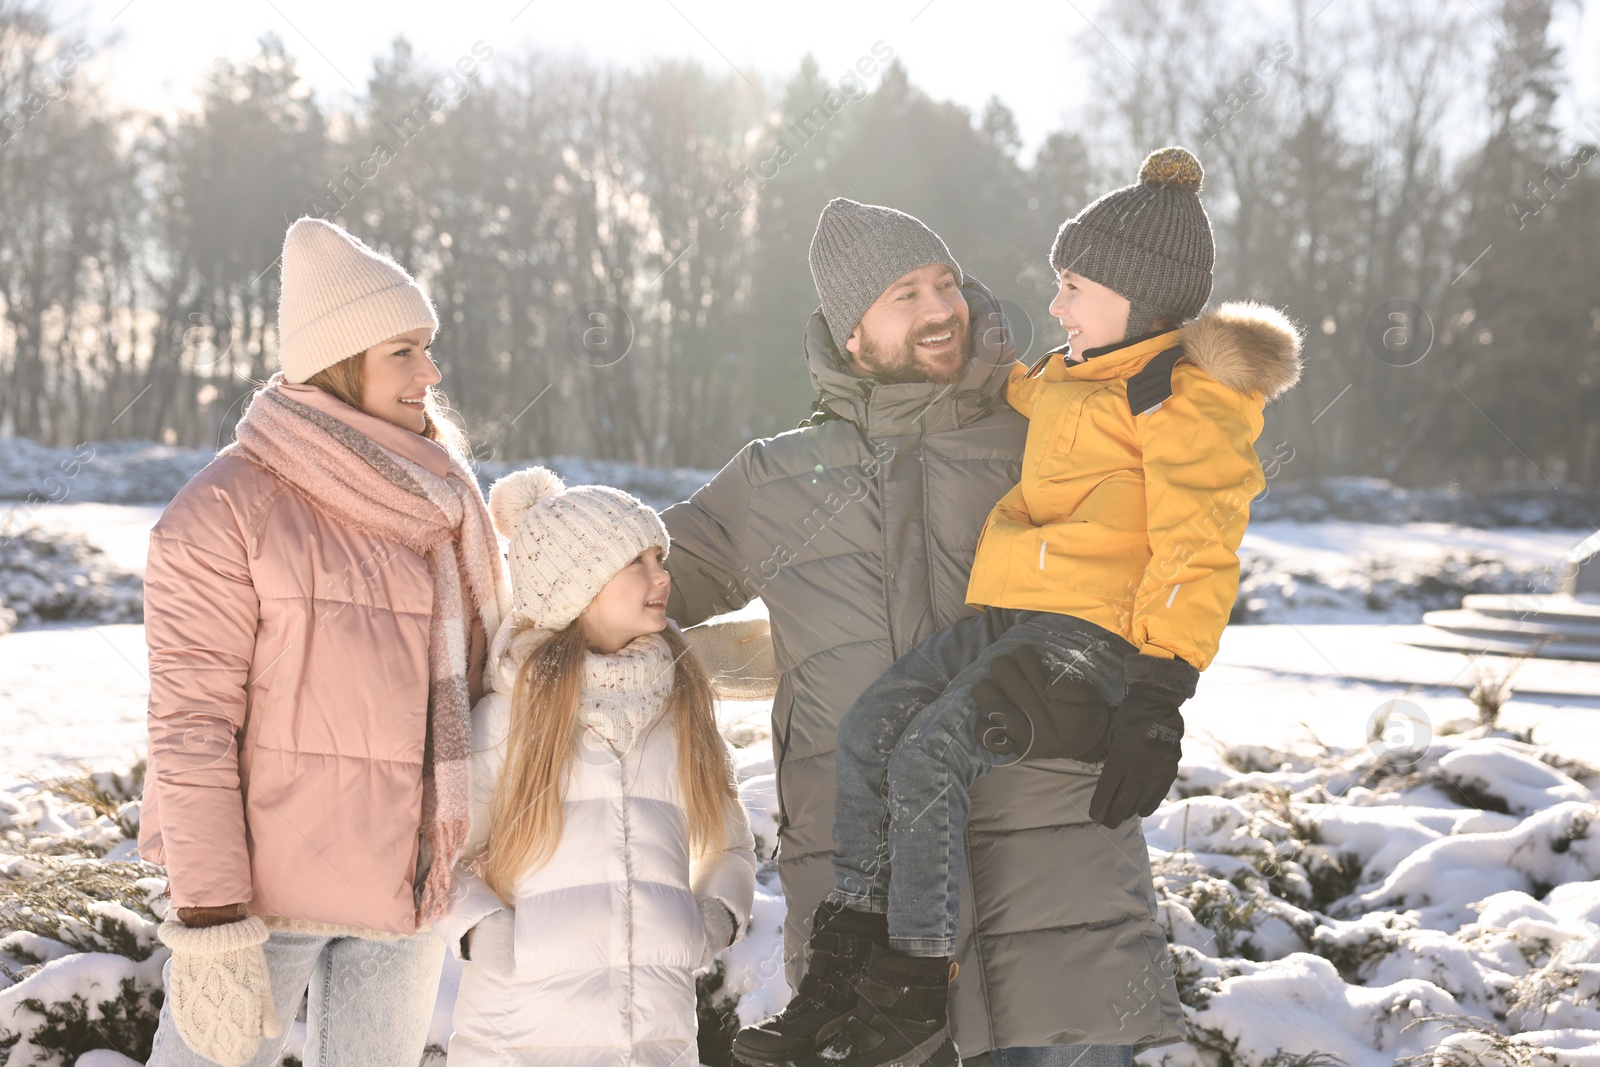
(841, 941)
(901, 1019)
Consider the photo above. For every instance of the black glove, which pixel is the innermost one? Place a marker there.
(1037, 713)
(1146, 733)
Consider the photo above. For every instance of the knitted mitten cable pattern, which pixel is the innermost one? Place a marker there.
(721, 929)
(219, 990)
(494, 942)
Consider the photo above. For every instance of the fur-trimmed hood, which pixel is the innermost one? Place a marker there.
(1247, 346)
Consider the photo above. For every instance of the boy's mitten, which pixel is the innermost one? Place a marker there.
(493, 944)
(1034, 712)
(1146, 732)
(219, 989)
(721, 930)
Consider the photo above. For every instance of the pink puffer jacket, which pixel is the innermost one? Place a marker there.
(288, 697)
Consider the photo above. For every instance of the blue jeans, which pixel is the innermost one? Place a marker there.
(907, 756)
(368, 1002)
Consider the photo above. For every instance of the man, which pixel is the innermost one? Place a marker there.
(858, 531)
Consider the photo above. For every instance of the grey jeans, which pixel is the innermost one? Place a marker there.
(368, 1002)
(907, 755)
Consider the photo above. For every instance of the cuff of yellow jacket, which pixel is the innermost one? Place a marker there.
(1174, 677)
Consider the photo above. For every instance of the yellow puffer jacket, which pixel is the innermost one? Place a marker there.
(1132, 521)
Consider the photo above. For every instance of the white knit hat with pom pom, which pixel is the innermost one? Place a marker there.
(566, 544)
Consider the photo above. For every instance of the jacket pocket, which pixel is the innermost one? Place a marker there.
(1117, 503)
(1088, 558)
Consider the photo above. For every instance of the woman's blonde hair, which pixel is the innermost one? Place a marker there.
(343, 380)
(525, 817)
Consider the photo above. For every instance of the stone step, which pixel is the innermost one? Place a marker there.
(1477, 624)
(1546, 606)
(1446, 641)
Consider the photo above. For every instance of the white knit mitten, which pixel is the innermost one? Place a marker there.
(494, 941)
(739, 657)
(720, 929)
(220, 992)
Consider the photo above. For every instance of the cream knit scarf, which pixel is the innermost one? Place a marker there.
(364, 486)
(624, 692)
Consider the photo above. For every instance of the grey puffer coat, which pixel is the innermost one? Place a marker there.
(859, 534)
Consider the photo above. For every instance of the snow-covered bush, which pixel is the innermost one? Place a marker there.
(1324, 907)
(1399, 589)
(46, 577)
(1363, 909)
(1376, 500)
(80, 965)
(110, 472)
(144, 472)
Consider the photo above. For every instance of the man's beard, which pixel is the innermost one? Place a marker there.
(903, 363)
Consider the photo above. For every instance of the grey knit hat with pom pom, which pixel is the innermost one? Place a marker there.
(566, 544)
(1150, 241)
(858, 251)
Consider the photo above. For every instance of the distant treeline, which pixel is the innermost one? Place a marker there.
(619, 254)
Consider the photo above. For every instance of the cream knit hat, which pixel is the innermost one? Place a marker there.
(339, 297)
(566, 544)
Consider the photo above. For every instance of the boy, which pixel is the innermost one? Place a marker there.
(1107, 573)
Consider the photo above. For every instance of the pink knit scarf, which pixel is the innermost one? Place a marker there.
(364, 486)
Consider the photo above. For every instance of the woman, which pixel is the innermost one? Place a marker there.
(316, 605)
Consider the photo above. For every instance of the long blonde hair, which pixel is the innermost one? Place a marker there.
(525, 815)
(343, 380)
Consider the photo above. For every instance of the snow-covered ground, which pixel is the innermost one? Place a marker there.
(1426, 893)
(1348, 868)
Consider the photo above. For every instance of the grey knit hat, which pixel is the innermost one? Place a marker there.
(859, 250)
(1150, 242)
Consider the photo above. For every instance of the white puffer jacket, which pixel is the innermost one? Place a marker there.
(609, 932)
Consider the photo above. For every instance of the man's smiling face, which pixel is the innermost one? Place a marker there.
(916, 331)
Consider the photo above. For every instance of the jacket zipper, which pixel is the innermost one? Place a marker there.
(777, 779)
(627, 888)
(927, 531)
(888, 605)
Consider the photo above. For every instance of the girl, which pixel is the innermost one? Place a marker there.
(316, 605)
(613, 858)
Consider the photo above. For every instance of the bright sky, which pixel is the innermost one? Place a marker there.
(1031, 54)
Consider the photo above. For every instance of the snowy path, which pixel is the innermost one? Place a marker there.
(1283, 685)
(76, 695)
(72, 696)
(1307, 542)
